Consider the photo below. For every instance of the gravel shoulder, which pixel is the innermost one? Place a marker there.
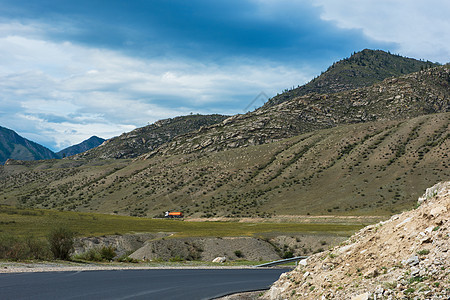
(26, 267)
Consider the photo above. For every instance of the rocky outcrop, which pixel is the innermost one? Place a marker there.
(148, 138)
(405, 257)
(404, 97)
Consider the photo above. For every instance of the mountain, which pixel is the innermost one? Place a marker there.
(92, 142)
(13, 146)
(371, 168)
(145, 139)
(362, 69)
(397, 98)
(365, 151)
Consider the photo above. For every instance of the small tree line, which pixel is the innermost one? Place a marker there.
(59, 244)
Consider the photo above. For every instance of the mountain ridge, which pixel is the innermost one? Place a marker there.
(362, 151)
(14, 146)
(92, 142)
(407, 96)
(361, 69)
(371, 168)
(148, 138)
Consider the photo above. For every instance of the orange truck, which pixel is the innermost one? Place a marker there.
(173, 214)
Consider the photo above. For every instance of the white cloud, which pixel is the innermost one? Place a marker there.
(60, 93)
(419, 28)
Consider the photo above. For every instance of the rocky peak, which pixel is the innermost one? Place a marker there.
(362, 69)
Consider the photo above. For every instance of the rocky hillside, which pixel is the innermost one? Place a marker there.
(406, 257)
(373, 148)
(13, 146)
(92, 142)
(404, 97)
(148, 138)
(371, 168)
(362, 69)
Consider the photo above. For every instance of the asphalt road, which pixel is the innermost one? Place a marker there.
(136, 284)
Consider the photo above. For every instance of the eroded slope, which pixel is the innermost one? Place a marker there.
(406, 257)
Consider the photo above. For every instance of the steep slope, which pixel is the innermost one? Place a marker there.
(148, 138)
(371, 168)
(362, 69)
(13, 146)
(92, 142)
(407, 96)
(406, 257)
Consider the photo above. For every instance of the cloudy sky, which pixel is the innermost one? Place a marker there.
(73, 69)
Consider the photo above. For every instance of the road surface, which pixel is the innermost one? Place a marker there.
(136, 284)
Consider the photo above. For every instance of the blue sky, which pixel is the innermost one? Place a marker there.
(73, 69)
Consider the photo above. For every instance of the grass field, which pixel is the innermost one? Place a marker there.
(38, 222)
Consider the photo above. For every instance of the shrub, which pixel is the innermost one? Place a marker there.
(288, 254)
(15, 248)
(176, 259)
(98, 254)
(37, 249)
(61, 242)
(238, 253)
(423, 252)
(11, 247)
(108, 253)
(91, 255)
(126, 259)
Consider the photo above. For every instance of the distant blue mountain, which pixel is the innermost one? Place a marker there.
(92, 142)
(16, 147)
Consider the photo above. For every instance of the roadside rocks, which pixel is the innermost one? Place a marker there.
(405, 257)
(219, 259)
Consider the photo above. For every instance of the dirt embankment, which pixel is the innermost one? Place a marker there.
(123, 244)
(406, 257)
(162, 246)
(248, 248)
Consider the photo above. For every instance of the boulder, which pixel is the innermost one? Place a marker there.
(220, 259)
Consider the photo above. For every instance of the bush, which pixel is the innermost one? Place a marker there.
(91, 255)
(176, 259)
(98, 254)
(15, 248)
(61, 242)
(108, 253)
(423, 252)
(238, 253)
(126, 259)
(37, 248)
(11, 247)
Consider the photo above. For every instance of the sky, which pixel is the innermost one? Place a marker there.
(73, 69)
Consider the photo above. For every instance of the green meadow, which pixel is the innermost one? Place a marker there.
(38, 222)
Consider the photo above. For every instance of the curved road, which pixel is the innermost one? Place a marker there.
(136, 284)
